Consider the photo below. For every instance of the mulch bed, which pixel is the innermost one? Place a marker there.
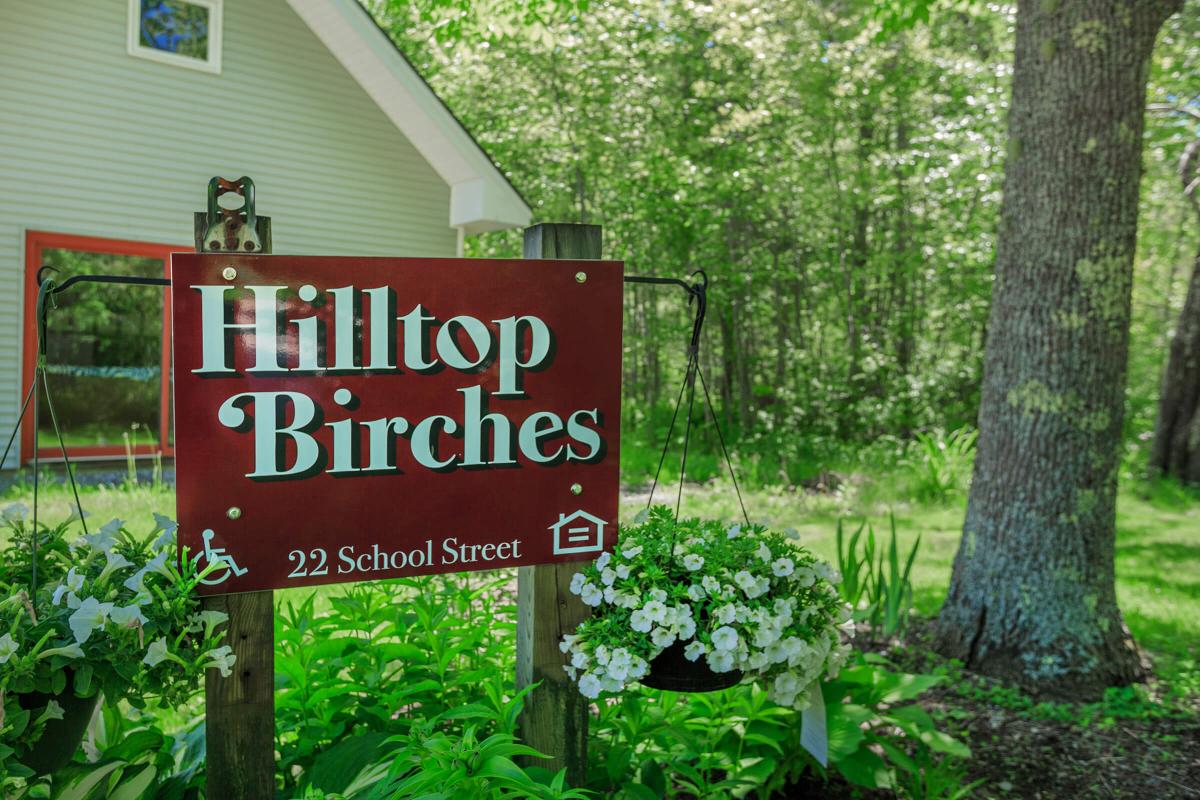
(1019, 755)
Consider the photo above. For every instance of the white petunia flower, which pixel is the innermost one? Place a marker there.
(720, 661)
(710, 584)
(70, 585)
(693, 561)
(577, 581)
(804, 576)
(53, 711)
(610, 595)
(90, 615)
(658, 595)
(656, 611)
(782, 567)
(640, 621)
(695, 593)
(603, 560)
(622, 571)
(694, 650)
(589, 686)
(115, 561)
(763, 552)
(103, 540)
(137, 581)
(744, 580)
(168, 527)
(726, 613)
(156, 652)
(68, 651)
(223, 659)
(734, 531)
(15, 512)
(608, 576)
(827, 573)
(591, 594)
(159, 564)
(128, 616)
(631, 552)
(662, 637)
(725, 638)
(687, 628)
(8, 647)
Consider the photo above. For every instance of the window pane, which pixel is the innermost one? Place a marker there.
(104, 354)
(175, 26)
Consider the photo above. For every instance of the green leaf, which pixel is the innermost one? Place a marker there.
(865, 768)
(134, 788)
(82, 787)
(653, 778)
(843, 723)
(336, 767)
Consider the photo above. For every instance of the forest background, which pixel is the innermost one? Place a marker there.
(834, 169)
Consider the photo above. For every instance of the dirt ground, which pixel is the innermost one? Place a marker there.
(1021, 754)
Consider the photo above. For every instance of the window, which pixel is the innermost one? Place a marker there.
(183, 32)
(108, 355)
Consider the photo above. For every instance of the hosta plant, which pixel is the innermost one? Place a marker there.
(102, 613)
(734, 597)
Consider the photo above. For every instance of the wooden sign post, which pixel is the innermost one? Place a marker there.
(239, 711)
(555, 719)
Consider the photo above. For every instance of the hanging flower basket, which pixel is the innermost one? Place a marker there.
(697, 605)
(61, 737)
(84, 615)
(671, 670)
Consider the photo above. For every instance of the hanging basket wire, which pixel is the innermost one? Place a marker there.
(38, 387)
(670, 669)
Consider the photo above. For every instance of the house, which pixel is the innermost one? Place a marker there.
(578, 532)
(114, 114)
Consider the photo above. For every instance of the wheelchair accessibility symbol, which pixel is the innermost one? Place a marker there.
(217, 555)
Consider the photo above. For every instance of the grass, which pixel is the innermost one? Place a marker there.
(1158, 543)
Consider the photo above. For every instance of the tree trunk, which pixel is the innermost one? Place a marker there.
(1176, 449)
(1032, 597)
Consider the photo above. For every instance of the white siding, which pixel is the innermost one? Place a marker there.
(96, 142)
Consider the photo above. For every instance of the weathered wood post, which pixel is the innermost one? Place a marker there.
(555, 720)
(239, 710)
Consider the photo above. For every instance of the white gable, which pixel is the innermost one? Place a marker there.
(481, 199)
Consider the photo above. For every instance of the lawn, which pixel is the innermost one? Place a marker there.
(1158, 543)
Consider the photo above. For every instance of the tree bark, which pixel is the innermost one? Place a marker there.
(1032, 597)
(1176, 447)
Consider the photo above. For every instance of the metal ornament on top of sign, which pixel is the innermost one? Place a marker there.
(423, 416)
(232, 229)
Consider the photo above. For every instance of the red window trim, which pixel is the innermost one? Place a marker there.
(35, 243)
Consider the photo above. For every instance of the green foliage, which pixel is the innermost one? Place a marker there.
(375, 649)
(112, 613)
(134, 758)
(864, 705)
(879, 589)
(942, 465)
(435, 765)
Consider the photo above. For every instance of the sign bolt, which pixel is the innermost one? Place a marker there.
(576, 488)
(580, 277)
(234, 512)
(229, 273)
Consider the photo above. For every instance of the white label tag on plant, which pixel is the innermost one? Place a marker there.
(813, 735)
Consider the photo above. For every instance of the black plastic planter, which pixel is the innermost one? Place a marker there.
(671, 670)
(61, 737)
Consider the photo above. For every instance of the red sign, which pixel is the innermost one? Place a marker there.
(346, 419)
